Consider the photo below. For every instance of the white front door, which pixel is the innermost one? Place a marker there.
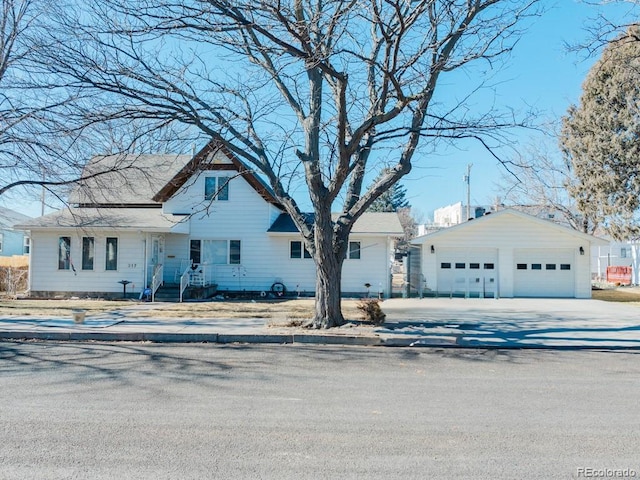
(157, 249)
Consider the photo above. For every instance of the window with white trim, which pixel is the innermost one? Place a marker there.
(111, 254)
(298, 250)
(88, 252)
(26, 245)
(216, 252)
(64, 253)
(354, 250)
(216, 188)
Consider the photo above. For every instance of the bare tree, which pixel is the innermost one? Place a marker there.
(306, 92)
(46, 125)
(537, 183)
(604, 27)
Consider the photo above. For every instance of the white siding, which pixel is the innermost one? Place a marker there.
(245, 216)
(45, 275)
(506, 234)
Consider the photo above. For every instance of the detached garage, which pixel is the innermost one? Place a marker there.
(507, 254)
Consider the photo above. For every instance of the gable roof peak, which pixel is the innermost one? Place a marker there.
(207, 159)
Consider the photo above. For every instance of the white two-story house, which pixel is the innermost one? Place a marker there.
(203, 222)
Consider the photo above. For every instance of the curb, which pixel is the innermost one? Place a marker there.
(282, 339)
(161, 337)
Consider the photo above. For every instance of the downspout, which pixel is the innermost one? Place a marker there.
(30, 262)
(144, 263)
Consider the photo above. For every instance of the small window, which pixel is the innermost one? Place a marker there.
(111, 254)
(623, 252)
(216, 188)
(445, 265)
(88, 252)
(521, 266)
(296, 250)
(550, 266)
(354, 250)
(474, 266)
(64, 253)
(536, 266)
(488, 266)
(461, 265)
(234, 252)
(565, 266)
(195, 251)
(27, 245)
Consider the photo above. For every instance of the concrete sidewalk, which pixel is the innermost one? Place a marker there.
(433, 322)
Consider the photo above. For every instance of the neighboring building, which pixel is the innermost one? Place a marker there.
(451, 215)
(615, 254)
(508, 254)
(12, 241)
(203, 220)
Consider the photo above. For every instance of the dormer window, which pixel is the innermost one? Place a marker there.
(216, 188)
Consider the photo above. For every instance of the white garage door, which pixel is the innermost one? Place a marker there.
(544, 273)
(467, 272)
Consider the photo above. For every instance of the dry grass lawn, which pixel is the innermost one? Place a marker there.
(278, 310)
(274, 311)
(623, 294)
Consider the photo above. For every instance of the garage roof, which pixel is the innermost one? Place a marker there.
(488, 218)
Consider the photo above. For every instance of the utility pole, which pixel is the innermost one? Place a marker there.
(467, 179)
(42, 194)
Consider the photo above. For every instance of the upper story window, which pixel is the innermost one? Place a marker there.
(216, 188)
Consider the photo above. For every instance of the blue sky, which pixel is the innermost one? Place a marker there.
(540, 73)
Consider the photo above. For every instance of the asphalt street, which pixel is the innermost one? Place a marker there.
(161, 411)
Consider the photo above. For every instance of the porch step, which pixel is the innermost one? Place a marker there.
(168, 293)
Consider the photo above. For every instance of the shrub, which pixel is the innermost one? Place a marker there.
(13, 279)
(372, 311)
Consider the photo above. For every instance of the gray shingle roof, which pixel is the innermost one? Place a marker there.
(384, 223)
(149, 219)
(9, 218)
(129, 179)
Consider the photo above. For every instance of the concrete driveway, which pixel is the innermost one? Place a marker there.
(510, 322)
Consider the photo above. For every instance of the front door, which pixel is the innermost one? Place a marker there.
(157, 249)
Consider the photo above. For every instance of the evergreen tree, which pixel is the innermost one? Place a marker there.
(394, 199)
(599, 140)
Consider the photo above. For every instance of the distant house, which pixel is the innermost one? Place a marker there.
(451, 215)
(12, 241)
(616, 254)
(507, 254)
(205, 222)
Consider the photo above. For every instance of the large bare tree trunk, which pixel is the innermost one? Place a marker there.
(328, 312)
